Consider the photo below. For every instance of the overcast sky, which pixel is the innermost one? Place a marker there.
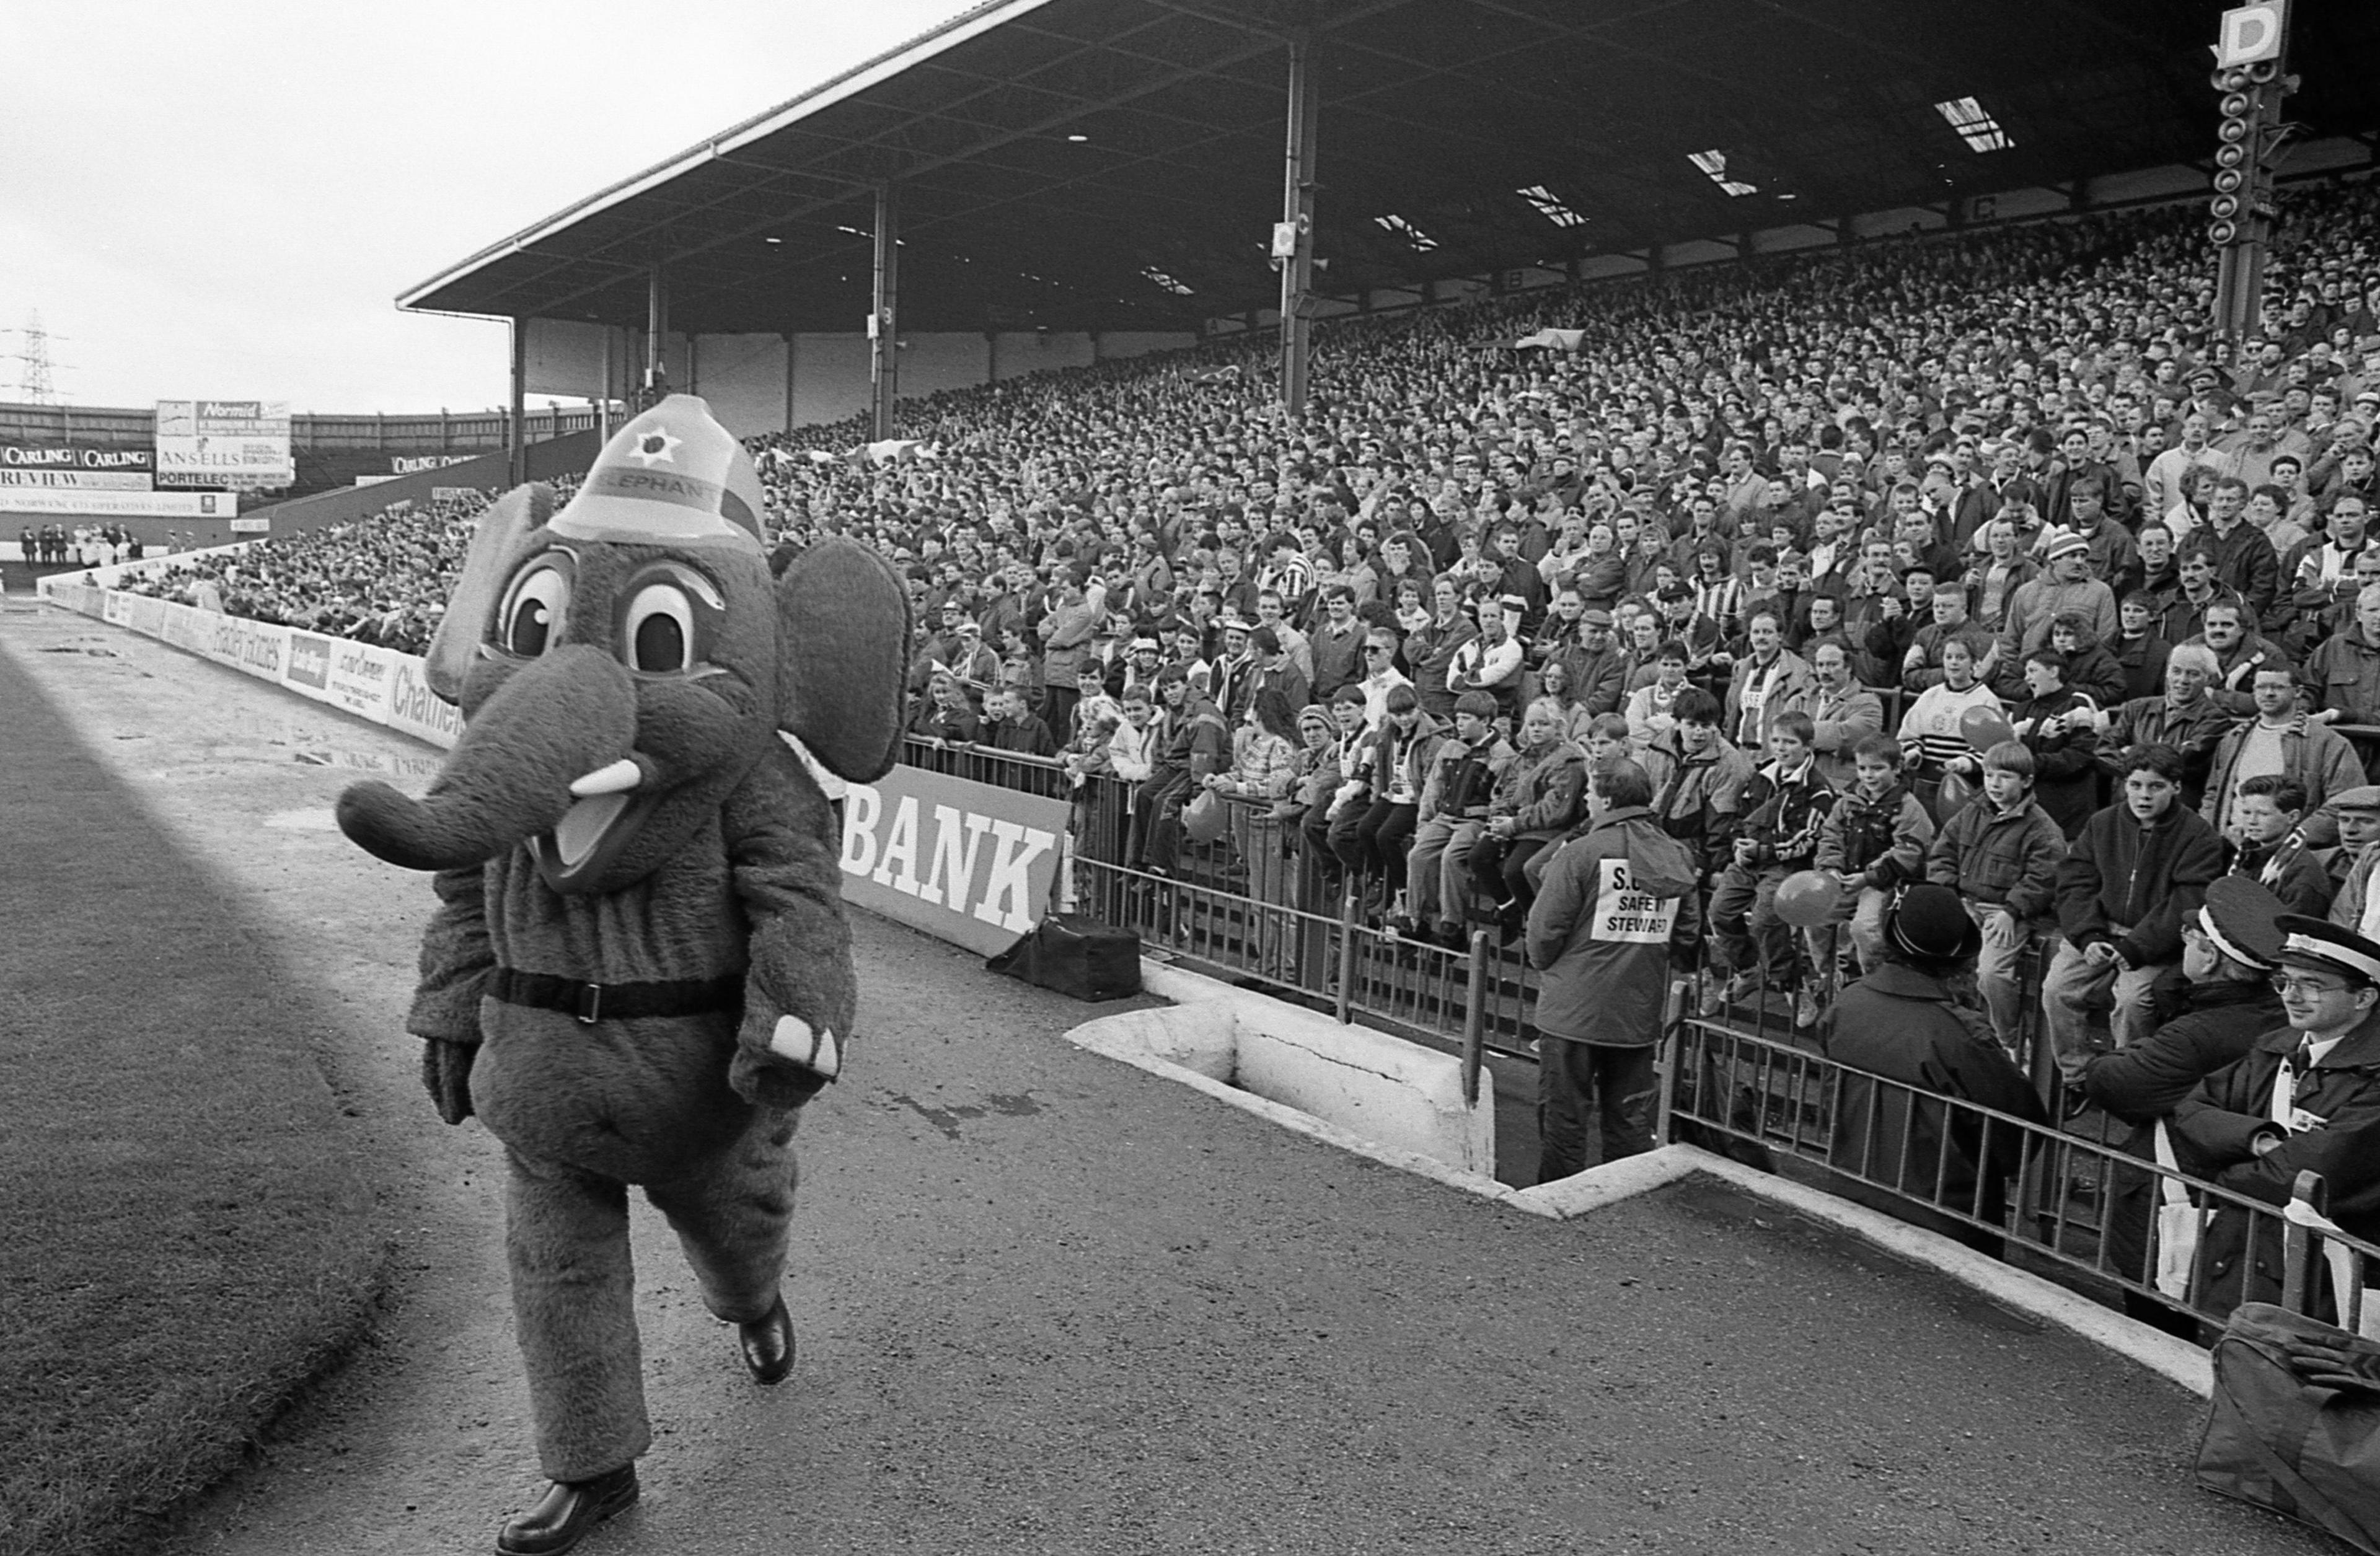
(221, 199)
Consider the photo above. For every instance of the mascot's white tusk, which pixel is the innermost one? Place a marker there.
(817, 1050)
(618, 778)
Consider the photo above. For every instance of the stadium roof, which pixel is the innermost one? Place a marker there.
(1117, 163)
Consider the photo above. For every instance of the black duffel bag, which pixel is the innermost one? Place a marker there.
(1076, 955)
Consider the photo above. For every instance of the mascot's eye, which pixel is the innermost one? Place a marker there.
(660, 629)
(534, 611)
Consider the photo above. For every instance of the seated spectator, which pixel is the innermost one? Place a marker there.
(2271, 849)
(2001, 854)
(2341, 678)
(1784, 807)
(2092, 672)
(1197, 744)
(1873, 841)
(2136, 868)
(1451, 818)
(1905, 1042)
(1372, 836)
(1537, 798)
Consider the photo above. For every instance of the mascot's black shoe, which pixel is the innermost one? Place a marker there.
(567, 1513)
(769, 1345)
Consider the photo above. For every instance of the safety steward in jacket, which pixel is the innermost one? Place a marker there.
(1616, 906)
(2305, 1099)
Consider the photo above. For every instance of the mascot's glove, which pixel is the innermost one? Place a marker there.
(446, 1071)
(799, 1060)
(2335, 1367)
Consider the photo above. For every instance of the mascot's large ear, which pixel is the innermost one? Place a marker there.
(456, 641)
(842, 658)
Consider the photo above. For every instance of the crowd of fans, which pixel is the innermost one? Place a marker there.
(1973, 558)
(381, 579)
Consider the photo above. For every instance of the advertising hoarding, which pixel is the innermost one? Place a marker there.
(242, 444)
(62, 502)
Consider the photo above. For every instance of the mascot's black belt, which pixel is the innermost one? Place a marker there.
(591, 1003)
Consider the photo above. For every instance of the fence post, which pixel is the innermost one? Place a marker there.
(1671, 1050)
(1347, 952)
(2297, 1241)
(1475, 1017)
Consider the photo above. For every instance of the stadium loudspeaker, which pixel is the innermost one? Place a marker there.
(2230, 156)
(2231, 131)
(2230, 180)
(2223, 207)
(2222, 234)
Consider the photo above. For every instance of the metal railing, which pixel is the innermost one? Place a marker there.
(2093, 1210)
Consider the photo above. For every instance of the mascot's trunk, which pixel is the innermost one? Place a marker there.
(556, 720)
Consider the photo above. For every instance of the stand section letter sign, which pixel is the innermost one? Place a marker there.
(965, 862)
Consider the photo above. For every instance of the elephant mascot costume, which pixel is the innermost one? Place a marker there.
(639, 969)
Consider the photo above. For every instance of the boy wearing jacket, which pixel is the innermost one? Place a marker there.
(1454, 815)
(1784, 806)
(2062, 730)
(1615, 906)
(1873, 842)
(2137, 869)
(2000, 853)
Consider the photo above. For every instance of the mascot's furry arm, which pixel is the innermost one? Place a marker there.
(455, 963)
(799, 996)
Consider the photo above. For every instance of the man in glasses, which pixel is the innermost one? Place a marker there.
(2307, 1097)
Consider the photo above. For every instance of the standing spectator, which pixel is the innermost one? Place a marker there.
(1933, 732)
(2283, 740)
(2060, 728)
(1338, 643)
(2184, 717)
(2354, 905)
(2341, 678)
(1616, 909)
(2305, 1099)
(1489, 661)
(1769, 681)
(2138, 867)
(1264, 750)
(2067, 586)
(2001, 855)
(2244, 559)
(1700, 794)
(1899, 1026)
(1843, 713)
(1010, 725)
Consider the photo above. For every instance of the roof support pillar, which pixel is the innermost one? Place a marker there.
(515, 418)
(792, 350)
(884, 323)
(657, 300)
(1297, 211)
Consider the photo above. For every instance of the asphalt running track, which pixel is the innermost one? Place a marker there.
(1049, 1303)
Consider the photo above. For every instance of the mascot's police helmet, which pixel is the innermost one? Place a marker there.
(671, 476)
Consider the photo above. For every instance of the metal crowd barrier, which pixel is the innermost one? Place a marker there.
(2087, 1209)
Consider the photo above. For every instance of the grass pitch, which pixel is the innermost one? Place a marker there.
(186, 1241)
